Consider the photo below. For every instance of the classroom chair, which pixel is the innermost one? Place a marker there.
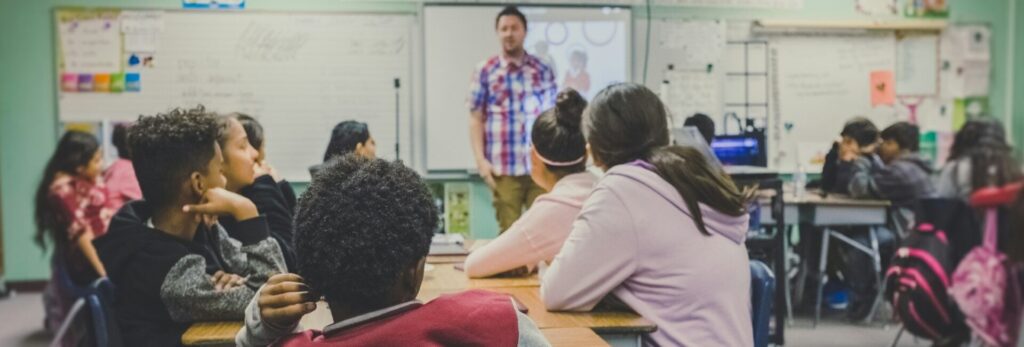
(770, 242)
(100, 306)
(762, 291)
(89, 321)
(74, 331)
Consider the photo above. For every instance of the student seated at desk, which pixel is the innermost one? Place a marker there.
(559, 165)
(156, 250)
(704, 125)
(362, 234)
(978, 147)
(253, 179)
(254, 133)
(858, 132)
(348, 137)
(663, 231)
(897, 173)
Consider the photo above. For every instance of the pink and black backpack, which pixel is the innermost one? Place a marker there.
(917, 281)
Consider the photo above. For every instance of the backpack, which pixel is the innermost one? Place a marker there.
(916, 284)
(980, 283)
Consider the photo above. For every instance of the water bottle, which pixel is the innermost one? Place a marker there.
(800, 180)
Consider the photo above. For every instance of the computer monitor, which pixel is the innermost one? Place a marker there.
(746, 150)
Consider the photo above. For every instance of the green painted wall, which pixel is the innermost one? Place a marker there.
(1018, 78)
(28, 98)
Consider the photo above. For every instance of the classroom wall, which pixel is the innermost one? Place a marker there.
(1018, 77)
(28, 98)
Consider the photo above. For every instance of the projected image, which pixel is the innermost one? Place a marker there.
(586, 54)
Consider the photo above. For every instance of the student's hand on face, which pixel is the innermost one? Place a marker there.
(869, 149)
(223, 281)
(263, 168)
(849, 150)
(220, 202)
(285, 299)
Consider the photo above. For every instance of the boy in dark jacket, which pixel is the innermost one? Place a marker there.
(157, 250)
(897, 173)
(859, 133)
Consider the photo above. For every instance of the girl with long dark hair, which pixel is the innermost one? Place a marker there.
(71, 209)
(663, 230)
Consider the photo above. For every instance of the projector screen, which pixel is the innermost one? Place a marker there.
(588, 47)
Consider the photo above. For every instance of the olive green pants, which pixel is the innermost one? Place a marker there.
(512, 195)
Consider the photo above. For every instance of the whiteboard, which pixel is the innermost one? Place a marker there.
(819, 83)
(298, 73)
(457, 38)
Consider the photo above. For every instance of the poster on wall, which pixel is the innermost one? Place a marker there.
(89, 51)
(926, 8)
(213, 4)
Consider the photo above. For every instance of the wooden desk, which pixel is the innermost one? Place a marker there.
(617, 322)
(211, 334)
(573, 337)
(446, 277)
(223, 334)
(832, 210)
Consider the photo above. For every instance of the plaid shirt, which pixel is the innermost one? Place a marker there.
(511, 97)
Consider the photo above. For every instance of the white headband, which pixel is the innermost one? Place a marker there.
(559, 163)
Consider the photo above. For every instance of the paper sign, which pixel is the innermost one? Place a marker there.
(221, 4)
(968, 108)
(132, 82)
(85, 83)
(882, 91)
(141, 30)
(116, 83)
(69, 82)
(101, 83)
(917, 65)
(976, 77)
(90, 45)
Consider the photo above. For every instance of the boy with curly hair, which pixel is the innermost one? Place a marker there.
(362, 234)
(171, 262)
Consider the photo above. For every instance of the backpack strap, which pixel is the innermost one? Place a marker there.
(991, 227)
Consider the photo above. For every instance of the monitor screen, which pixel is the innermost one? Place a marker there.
(745, 150)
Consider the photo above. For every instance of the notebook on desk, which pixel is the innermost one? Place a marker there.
(448, 244)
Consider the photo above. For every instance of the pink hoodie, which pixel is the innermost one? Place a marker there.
(121, 183)
(539, 234)
(634, 238)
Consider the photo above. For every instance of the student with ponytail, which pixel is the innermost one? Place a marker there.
(559, 158)
(662, 231)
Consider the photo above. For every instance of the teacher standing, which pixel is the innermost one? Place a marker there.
(507, 93)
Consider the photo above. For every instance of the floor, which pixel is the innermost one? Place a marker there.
(22, 316)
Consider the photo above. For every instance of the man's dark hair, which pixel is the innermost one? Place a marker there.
(359, 225)
(704, 125)
(119, 138)
(907, 135)
(861, 130)
(510, 11)
(166, 148)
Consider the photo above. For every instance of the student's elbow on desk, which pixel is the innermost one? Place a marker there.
(472, 266)
(557, 299)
